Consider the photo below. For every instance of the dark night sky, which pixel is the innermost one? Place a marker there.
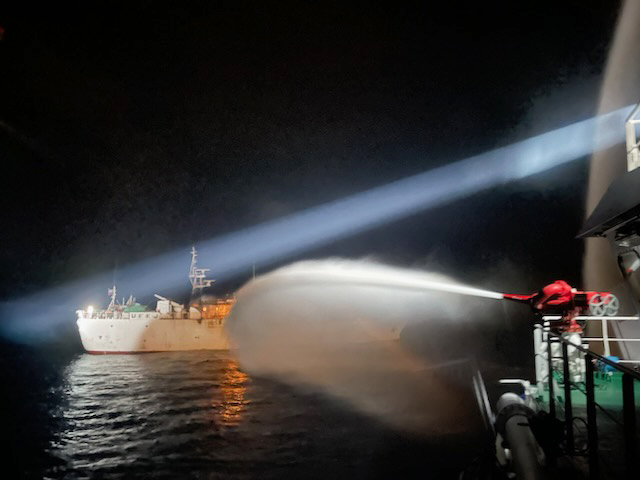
(129, 130)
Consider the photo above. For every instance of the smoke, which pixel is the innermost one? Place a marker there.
(334, 326)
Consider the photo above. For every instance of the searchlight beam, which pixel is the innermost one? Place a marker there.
(31, 319)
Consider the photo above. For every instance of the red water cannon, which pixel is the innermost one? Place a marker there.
(559, 298)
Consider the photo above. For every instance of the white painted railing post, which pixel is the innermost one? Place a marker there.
(605, 337)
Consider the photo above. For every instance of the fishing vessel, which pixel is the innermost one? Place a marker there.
(130, 327)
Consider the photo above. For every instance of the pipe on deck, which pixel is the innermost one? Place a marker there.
(512, 422)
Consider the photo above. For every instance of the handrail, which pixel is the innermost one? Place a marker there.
(595, 317)
(617, 366)
(601, 339)
(628, 403)
(606, 339)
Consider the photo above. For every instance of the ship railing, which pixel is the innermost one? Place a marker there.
(116, 315)
(104, 315)
(605, 338)
(591, 361)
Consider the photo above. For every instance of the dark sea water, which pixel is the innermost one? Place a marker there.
(195, 415)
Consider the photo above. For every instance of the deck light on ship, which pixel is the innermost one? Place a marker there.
(90, 310)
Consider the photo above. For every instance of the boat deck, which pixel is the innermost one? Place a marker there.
(608, 396)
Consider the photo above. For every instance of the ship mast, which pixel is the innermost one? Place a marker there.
(197, 276)
(112, 293)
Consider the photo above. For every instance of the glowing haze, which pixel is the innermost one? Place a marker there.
(332, 326)
(34, 318)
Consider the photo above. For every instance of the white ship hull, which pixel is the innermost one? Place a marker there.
(148, 332)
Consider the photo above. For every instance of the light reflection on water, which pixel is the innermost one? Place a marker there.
(198, 415)
(132, 409)
(232, 392)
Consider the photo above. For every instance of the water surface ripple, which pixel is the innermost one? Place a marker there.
(197, 415)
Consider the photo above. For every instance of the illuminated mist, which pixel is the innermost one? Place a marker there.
(333, 326)
(36, 317)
